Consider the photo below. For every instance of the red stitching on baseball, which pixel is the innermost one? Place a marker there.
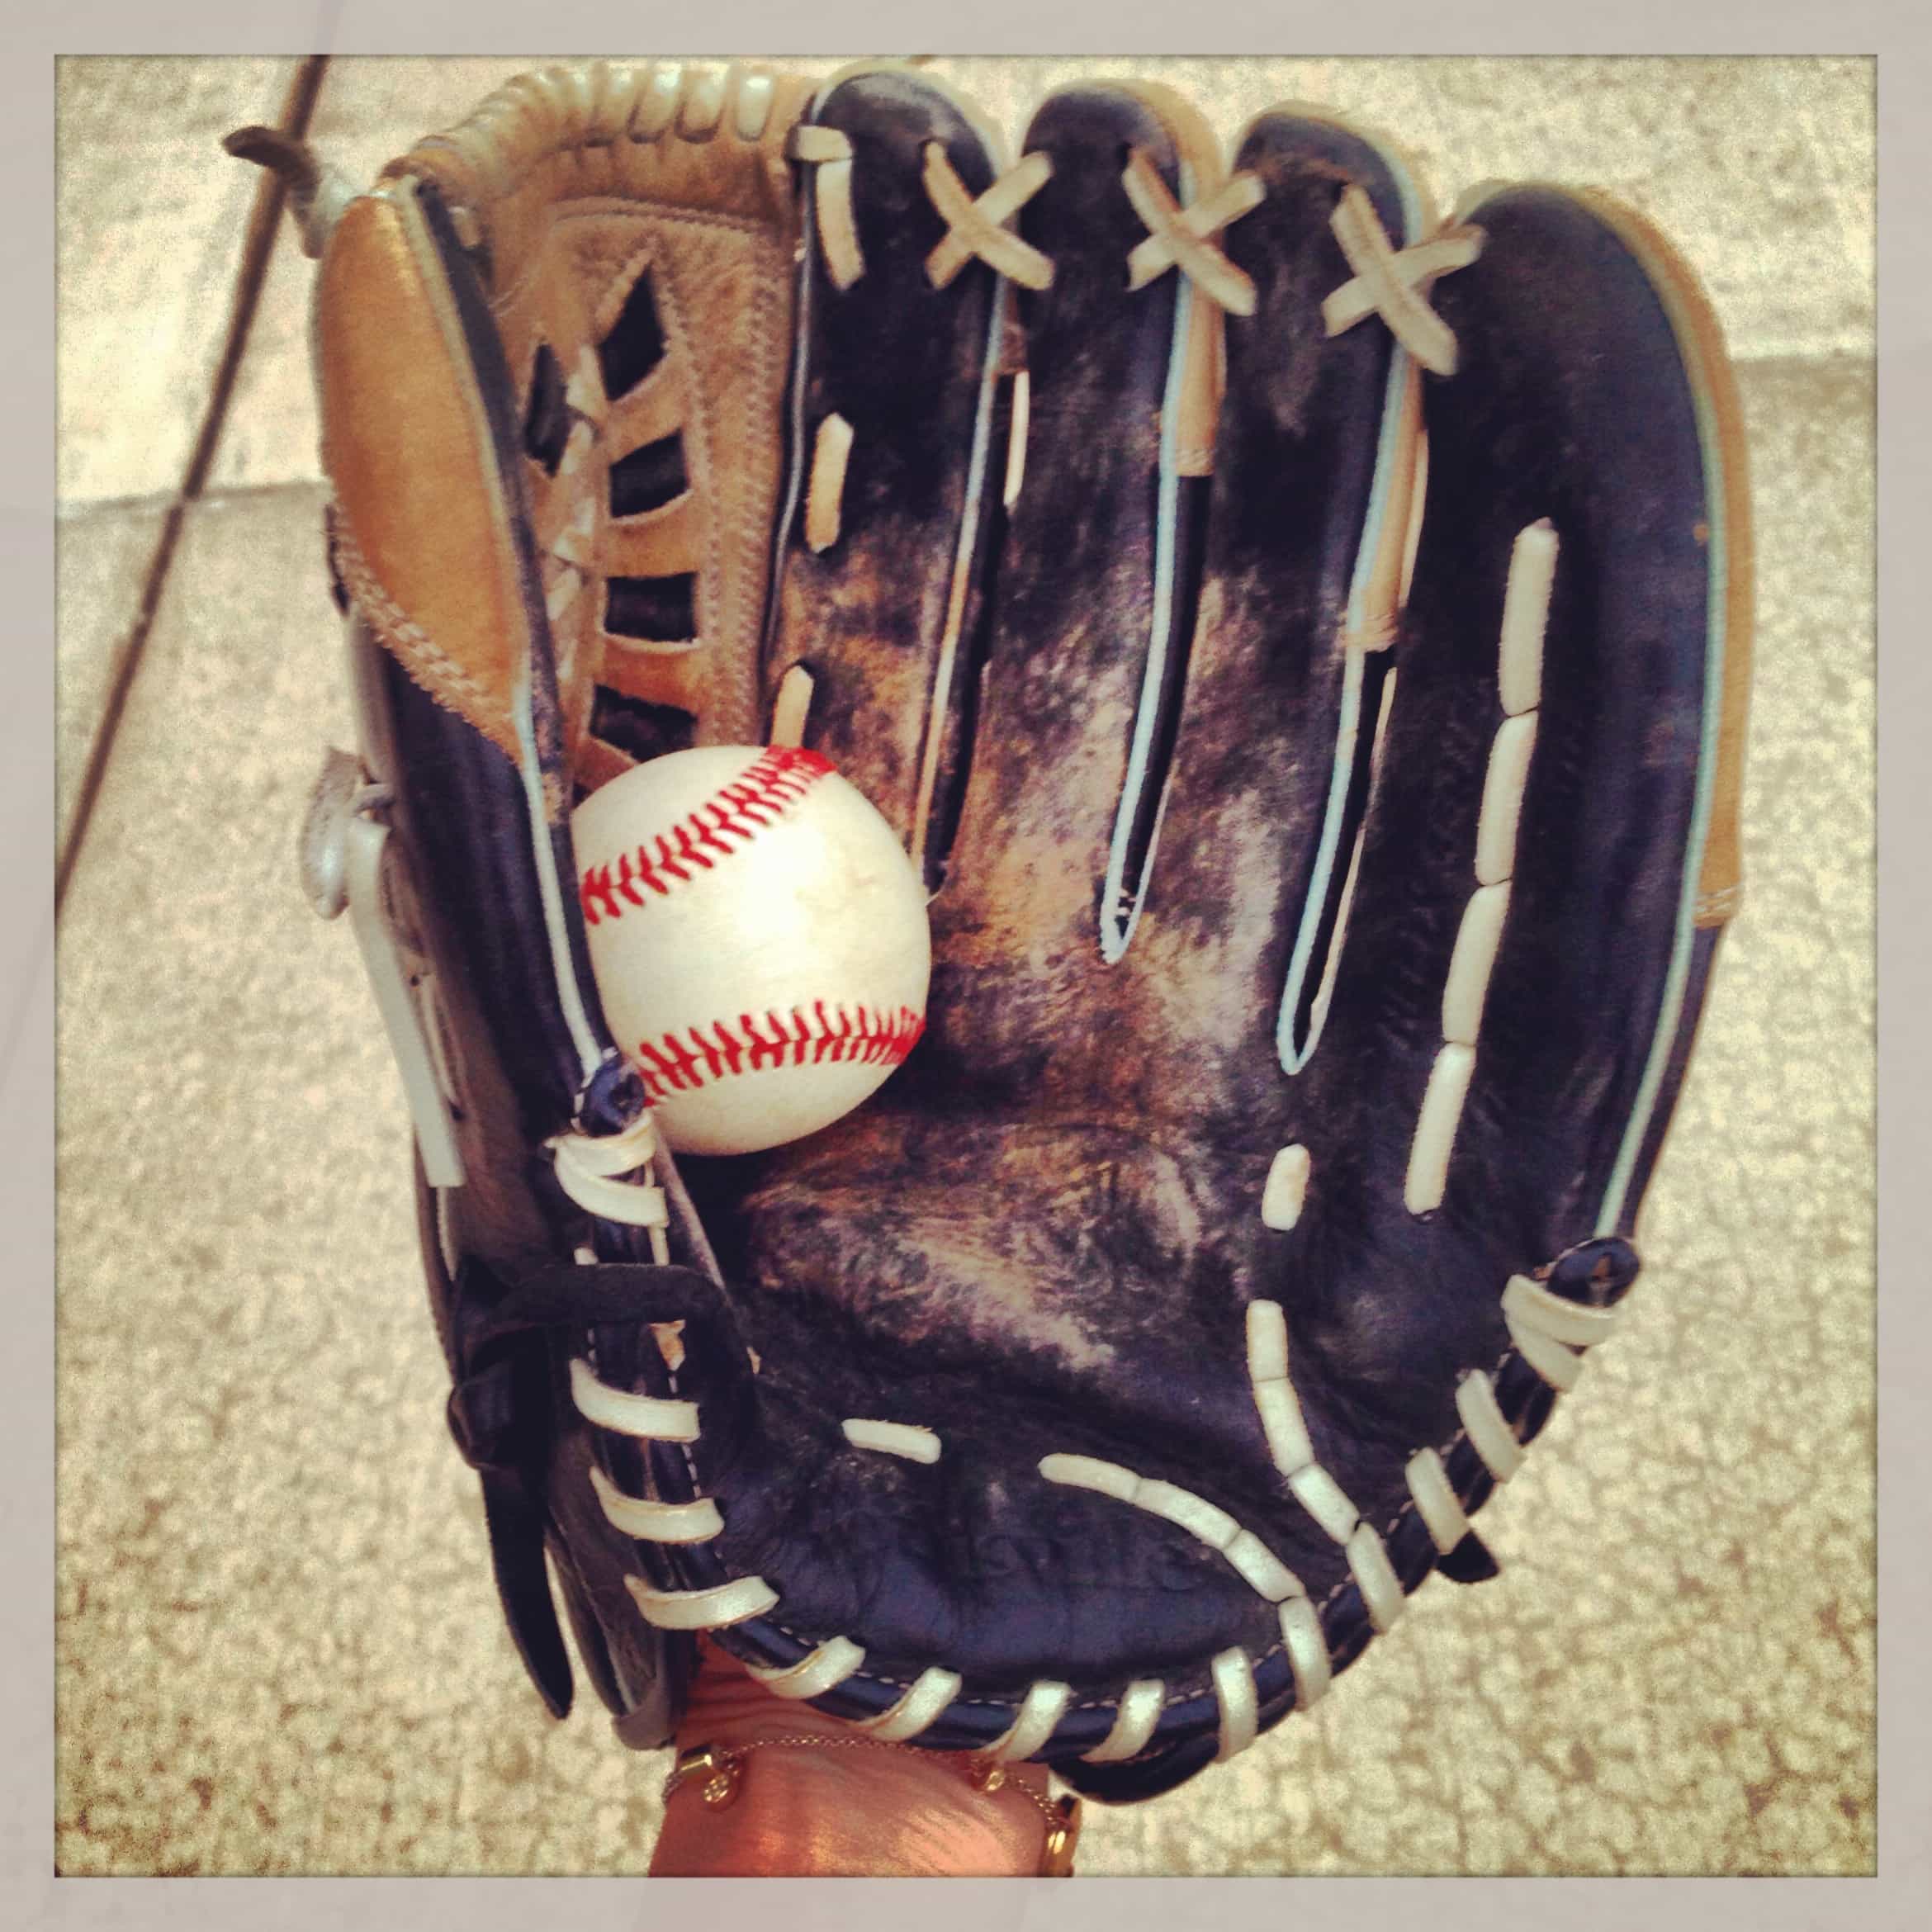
(683, 1062)
(776, 779)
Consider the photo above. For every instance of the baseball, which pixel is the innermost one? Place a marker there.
(758, 937)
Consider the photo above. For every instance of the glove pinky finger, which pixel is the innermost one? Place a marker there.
(1552, 851)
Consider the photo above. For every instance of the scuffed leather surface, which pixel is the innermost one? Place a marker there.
(1702, 1706)
(1043, 1236)
(903, 363)
(388, 345)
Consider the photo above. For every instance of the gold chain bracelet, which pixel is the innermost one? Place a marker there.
(721, 1768)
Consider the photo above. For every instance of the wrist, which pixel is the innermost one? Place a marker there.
(763, 1787)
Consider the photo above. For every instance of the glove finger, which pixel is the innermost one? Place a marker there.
(1314, 474)
(1098, 575)
(1540, 890)
(897, 417)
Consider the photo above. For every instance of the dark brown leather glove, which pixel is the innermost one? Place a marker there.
(1326, 870)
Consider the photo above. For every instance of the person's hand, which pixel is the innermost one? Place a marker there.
(811, 1797)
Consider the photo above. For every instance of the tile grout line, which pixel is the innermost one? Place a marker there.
(264, 218)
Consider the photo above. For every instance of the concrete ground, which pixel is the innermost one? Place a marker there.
(279, 1649)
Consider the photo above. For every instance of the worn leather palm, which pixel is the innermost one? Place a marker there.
(1326, 870)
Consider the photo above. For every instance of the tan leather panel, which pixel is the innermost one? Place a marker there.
(650, 412)
(598, 763)
(733, 449)
(663, 543)
(578, 181)
(1721, 883)
(572, 115)
(657, 676)
(429, 550)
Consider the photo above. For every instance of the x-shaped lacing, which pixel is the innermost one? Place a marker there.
(1179, 238)
(1390, 282)
(975, 224)
(976, 227)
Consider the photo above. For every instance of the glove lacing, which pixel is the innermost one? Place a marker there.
(975, 226)
(611, 1176)
(1390, 283)
(1178, 237)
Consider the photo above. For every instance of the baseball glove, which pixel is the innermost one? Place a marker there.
(1327, 862)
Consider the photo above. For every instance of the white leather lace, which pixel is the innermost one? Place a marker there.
(594, 1172)
(976, 227)
(1180, 238)
(1392, 283)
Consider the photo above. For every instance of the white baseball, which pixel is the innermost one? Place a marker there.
(758, 938)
